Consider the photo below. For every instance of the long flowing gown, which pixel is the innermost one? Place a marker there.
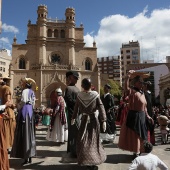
(24, 141)
(9, 122)
(89, 148)
(131, 139)
(4, 162)
(59, 132)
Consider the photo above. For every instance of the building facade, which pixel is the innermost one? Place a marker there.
(111, 66)
(52, 48)
(5, 61)
(130, 54)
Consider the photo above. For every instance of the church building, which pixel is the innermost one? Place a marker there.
(52, 48)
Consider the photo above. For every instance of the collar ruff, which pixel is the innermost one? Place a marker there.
(86, 98)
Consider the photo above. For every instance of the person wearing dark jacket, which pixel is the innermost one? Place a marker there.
(108, 102)
(149, 124)
(70, 99)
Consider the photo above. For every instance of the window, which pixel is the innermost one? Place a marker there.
(135, 51)
(22, 63)
(128, 56)
(127, 51)
(134, 57)
(49, 33)
(56, 33)
(55, 58)
(87, 65)
(62, 34)
(3, 69)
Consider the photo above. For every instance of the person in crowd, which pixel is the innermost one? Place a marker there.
(70, 99)
(149, 124)
(123, 109)
(8, 121)
(133, 131)
(46, 115)
(163, 122)
(108, 102)
(57, 129)
(90, 152)
(37, 117)
(147, 160)
(24, 142)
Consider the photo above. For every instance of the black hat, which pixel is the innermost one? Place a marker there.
(74, 73)
(108, 86)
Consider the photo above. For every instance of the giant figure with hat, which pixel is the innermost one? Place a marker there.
(133, 131)
(24, 141)
(70, 99)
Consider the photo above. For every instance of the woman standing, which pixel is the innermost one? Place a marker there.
(56, 131)
(133, 131)
(24, 142)
(90, 152)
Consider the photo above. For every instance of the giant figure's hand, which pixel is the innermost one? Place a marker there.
(72, 121)
(104, 126)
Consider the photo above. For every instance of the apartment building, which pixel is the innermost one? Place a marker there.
(130, 54)
(110, 65)
(5, 61)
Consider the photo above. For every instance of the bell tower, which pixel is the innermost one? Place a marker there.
(70, 34)
(42, 33)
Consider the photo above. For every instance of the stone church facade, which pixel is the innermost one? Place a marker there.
(52, 48)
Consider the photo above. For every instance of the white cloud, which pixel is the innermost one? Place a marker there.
(10, 28)
(150, 29)
(4, 40)
(5, 43)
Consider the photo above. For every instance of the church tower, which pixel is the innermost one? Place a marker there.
(70, 34)
(42, 33)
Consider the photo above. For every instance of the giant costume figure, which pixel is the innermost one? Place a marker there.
(70, 99)
(24, 142)
(90, 151)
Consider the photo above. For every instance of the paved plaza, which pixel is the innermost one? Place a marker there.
(50, 156)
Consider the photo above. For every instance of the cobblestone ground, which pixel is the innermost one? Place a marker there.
(50, 156)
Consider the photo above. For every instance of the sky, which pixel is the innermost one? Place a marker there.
(109, 23)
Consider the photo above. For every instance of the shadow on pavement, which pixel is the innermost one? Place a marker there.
(119, 158)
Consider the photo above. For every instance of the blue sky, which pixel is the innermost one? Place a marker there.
(109, 22)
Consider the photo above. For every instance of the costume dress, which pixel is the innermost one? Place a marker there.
(133, 130)
(57, 133)
(108, 103)
(89, 149)
(70, 99)
(24, 142)
(123, 110)
(147, 161)
(9, 122)
(4, 162)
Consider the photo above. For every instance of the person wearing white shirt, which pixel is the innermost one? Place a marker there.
(147, 160)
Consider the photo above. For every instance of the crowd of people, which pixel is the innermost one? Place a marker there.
(84, 120)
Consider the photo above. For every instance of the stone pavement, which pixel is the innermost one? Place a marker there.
(49, 155)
